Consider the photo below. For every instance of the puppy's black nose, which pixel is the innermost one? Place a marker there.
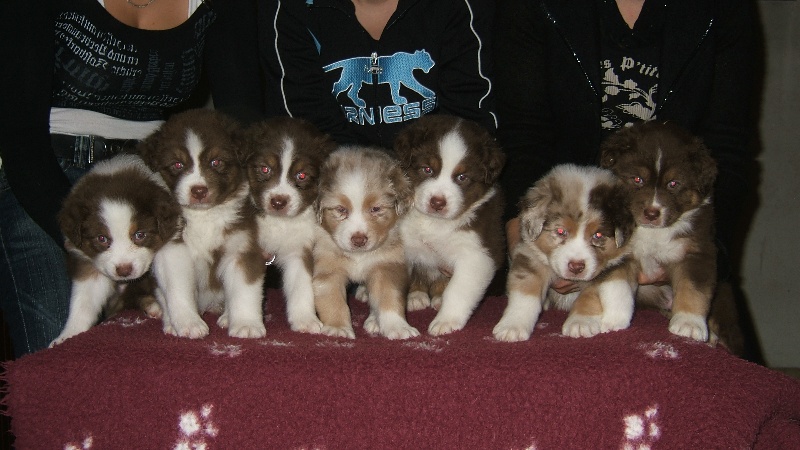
(199, 192)
(278, 203)
(652, 213)
(359, 239)
(438, 203)
(576, 267)
(124, 270)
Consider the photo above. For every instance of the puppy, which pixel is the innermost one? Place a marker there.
(362, 193)
(114, 220)
(283, 169)
(453, 236)
(216, 264)
(670, 175)
(574, 225)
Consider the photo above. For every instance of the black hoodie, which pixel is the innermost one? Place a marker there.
(433, 57)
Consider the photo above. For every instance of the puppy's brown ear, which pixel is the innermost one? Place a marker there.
(168, 217)
(706, 166)
(618, 208)
(494, 160)
(245, 144)
(404, 192)
(70, 220)
(533, 209)
(406, 142)
(614, 146)
(146, 149)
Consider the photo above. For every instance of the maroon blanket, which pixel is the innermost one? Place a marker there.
(124, 384)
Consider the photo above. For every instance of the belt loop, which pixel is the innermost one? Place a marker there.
(91, 149)
(78, 147)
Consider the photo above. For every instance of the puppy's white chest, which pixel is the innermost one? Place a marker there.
(655, 247)
(282, 235)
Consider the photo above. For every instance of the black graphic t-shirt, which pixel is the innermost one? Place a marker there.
(629, 65)
(98, 68)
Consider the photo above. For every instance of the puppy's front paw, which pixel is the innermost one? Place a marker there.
(345, 332)
(192, 328)
(248, 330)
(436, 302)
(614, 321)
(444, 325)
(153, 310)
(362, 294)
(512, 330)
(307, 325)
(393, 326)
(223, 320)
(417, 301)
(578, 325)
(60, 339)
(689, 325)
(371, 324)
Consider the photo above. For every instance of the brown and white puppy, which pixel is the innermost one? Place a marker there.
(216, 265)
(283, 167)
(453, 236)
(114, 220)
(670, 175)
(575, 225)
(363, 192)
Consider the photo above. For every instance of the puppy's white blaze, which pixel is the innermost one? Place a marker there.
(118, 217)
(286, 186)
(452, 150)
(659, 157)
(193, 175)
(616, 297)
(352, 186)
(86, 301)
(519, 317)
(574, 249)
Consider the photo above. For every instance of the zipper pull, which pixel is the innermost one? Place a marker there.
(374, 68)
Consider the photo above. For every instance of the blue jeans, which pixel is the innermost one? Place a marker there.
(34, 283)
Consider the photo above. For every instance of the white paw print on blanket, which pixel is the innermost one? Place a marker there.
(641, 430)
(229, 350)
(85, 445)
(195, 428)
(659, 350)
(126, 322)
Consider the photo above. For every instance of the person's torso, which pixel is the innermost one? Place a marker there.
(105, 66)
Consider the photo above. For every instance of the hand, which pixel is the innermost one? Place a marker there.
(564, 287)
(658, 278)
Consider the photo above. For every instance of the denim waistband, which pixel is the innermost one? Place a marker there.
(86, 150)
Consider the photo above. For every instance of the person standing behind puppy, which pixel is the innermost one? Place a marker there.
(570, 73)
(83, 80)
(361, 70)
